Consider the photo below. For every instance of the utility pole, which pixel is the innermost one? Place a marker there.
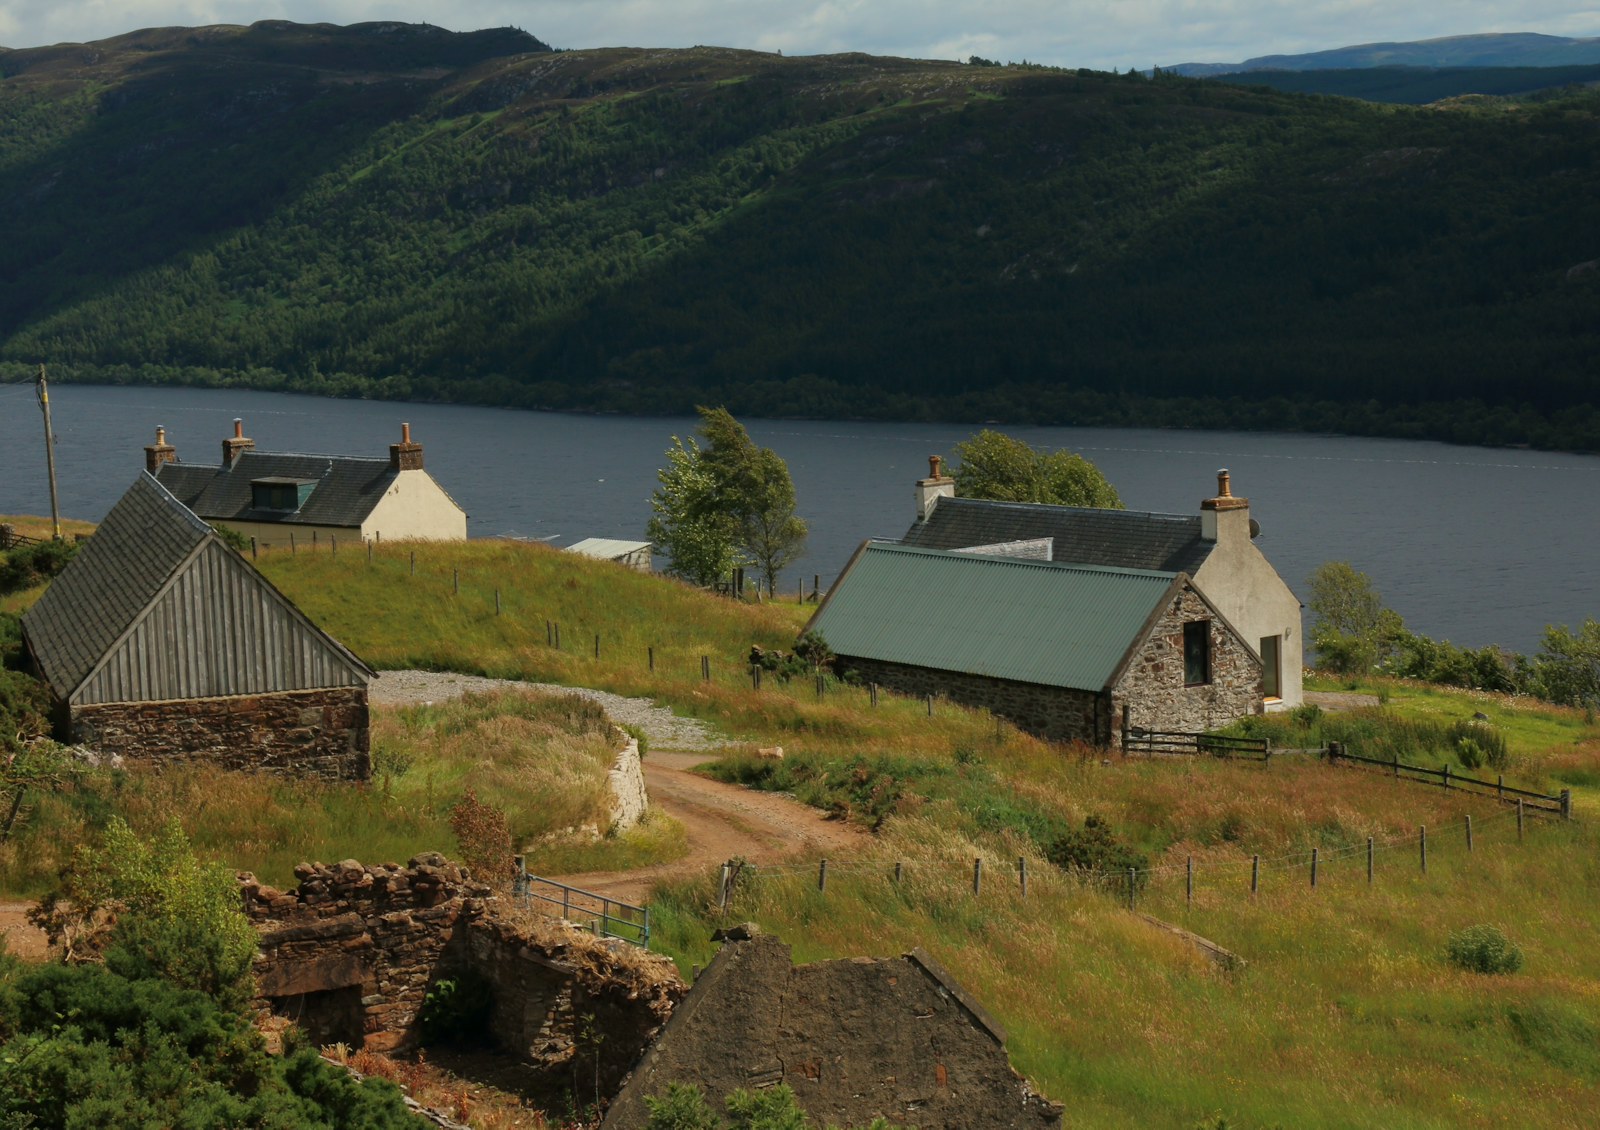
(49, 454)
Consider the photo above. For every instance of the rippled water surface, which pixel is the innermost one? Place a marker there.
(1478, 546)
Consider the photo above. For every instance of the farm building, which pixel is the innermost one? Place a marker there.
(1065, 651)
(1214, 547)
(274, 497)
(633, 554)
(160, 642)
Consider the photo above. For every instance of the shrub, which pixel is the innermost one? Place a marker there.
(1095, 851)
(684, 1107)
(483, 835)
(34, 564)
(24, 710)
(1483, 949)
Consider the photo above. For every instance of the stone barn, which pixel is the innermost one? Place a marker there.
(1061, 650)
(159, 642)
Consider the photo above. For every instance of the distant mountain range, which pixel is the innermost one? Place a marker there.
(392, 210)
(1516, 49)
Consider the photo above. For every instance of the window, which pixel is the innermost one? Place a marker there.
(274, 493)
(1271, 677)
(1196, 652)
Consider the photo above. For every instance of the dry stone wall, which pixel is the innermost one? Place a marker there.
(322, 733)
(629, 802)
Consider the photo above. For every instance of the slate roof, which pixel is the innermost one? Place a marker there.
(119, 570)
(1123, 539)
(1049, 623)
(347, 488)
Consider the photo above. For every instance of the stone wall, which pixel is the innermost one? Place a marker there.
(351, 954)
(855, 1039)
(1152, 686)
(1055, 713)
(306, 733)
(629, 801)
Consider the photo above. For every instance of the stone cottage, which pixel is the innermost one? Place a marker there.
(160, 642)
(1065, 651)
(275, 496)
(1215, 547)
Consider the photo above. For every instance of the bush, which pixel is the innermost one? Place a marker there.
(24, 710)
(684, 1107)
(34, 564)
(1095, 851)
(1483, 949)
(483, 836)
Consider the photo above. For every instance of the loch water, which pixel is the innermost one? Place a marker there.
(1469, 544)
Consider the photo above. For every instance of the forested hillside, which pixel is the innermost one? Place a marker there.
(393, 211)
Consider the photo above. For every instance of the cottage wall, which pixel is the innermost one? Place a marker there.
(1152, 686)
(322, 733)
(1053, 713)
(415, 507)
(1248, 591)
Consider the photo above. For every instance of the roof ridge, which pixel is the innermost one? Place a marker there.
(1053, 506)
(1027, 562)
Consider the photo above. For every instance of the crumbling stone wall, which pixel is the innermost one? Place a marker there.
(351, 953)
(625, 779)
(855, 1039)
(1054, 713)
(1152, 685)
(323, 733)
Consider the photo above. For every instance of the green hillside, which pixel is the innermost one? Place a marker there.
(1415, 86)
(393, 211)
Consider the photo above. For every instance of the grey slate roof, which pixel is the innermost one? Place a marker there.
(119, 570)
(1122, 539)
(347, 487)
(1027, 621)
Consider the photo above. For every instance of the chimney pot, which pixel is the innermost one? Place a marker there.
(405, 433)
(236, 444)
(238, 428)
(933, 465)
(405, 455)
(1224, 487)
(159, 453)
(161, 435)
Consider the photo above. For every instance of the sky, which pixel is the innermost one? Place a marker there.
(1080, 33)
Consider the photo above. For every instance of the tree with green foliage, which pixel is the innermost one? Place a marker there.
(684, 1107)
(1354, 633)
(727, 504)
(31, 565)
(1567, 668)
(997, 466)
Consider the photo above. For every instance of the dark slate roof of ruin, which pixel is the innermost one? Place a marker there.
(1122, 539)
(1054, 624)
(116, 574)
(347, 487)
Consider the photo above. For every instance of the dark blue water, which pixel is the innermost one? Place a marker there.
(1478, 546)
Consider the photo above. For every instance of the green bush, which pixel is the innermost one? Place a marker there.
(1483, 949)
(24, 709)
(1096, 852)
(34, 564)
(684, 1107)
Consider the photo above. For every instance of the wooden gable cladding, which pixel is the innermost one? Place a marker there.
(217, 629)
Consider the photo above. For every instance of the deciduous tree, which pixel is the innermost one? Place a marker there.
(997, 466)
(1353, 632)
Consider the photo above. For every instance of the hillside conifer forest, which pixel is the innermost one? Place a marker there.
(397, 211)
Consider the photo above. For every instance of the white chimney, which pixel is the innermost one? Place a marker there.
(936, 486)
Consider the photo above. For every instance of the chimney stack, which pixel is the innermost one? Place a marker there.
(405, 455)
(1225, 518)
(936, 486)
(160, 452)
(236, 444)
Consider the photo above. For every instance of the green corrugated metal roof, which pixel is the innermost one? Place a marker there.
(1030, 621)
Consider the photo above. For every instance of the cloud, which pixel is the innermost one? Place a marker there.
(1095, 33)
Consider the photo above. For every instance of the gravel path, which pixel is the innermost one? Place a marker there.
(664, 729)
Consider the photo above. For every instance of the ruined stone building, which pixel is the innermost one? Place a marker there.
(855, 1039)
(160, 642)
(273, 496)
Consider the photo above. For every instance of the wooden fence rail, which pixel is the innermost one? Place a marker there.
(1560, 803)
(1136, 739)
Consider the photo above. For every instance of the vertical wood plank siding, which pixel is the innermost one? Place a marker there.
(242, 641)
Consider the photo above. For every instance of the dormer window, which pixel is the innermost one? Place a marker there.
(281, 494)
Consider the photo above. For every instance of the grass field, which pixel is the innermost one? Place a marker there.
(1346, 1012)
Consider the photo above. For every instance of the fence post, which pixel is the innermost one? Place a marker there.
(1396, 756)
(1188, 879)
(1422, 847)
(252, 549)
(292, 548)
(413, 563)
(1255, 873)
(496, 596)
(1519, 820)
(333, 539)
(1499, 786)
(313, 541)
(705, 668)
(1022, 873)
(722, 892)
(1369, 861)
(872, 692)
(1566, 804)
(1130, 888)
(1333, 752)
(1125, 728)
(977, 875)
(822, 685)
(455, 581)
(898, 868)
(1313, 869)
(755, 676)
(650, 656)
(822, 875)
(369, 553)
(1469, 831)
(930, 706)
